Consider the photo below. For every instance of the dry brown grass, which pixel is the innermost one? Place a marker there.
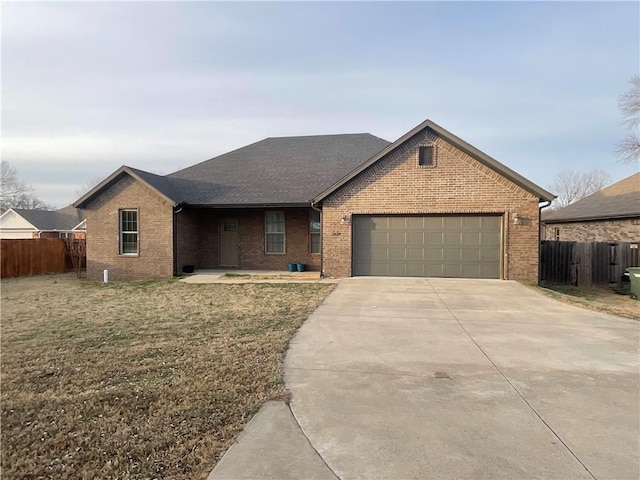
(602, 299)
(137, 380)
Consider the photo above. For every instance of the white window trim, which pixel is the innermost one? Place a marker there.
(283, 233)
(311, 233)
(122, 232)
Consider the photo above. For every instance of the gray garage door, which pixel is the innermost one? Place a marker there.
(435, 246)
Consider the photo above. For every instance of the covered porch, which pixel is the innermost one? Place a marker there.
(246, 239)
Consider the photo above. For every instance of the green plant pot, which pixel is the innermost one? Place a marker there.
(301, 267)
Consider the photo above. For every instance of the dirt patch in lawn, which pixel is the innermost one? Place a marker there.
(602, 299)
(141, 379)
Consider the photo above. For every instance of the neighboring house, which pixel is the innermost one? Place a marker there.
(67, 222)
(428, 204)
(610, 215)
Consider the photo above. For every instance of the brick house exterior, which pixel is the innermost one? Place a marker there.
(610, 215)
(155, 256)
(181, 220)
(625, 230)
(456, 184)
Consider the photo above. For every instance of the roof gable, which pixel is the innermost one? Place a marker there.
(13, 220)
(620, 200)
(157, 183)
(454, 140)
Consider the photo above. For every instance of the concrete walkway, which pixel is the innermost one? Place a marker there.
(255, 276)
(440, 378)
(272, 447)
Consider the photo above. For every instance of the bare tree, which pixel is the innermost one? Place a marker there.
(571, 186)
(15, 193)
(88, 185)
(628, 150)
(77, 251)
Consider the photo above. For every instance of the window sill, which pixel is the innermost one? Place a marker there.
(275, 253)
(129, 255)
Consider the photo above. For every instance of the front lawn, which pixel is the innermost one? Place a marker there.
(601, 298)
(141, 379)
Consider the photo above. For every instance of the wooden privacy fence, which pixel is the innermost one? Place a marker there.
(34, 256)
(585, 263)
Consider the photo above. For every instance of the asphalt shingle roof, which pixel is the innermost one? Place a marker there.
(620, 200)
(47, 220)
(279, 170)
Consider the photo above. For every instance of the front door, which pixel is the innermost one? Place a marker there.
(229, 243)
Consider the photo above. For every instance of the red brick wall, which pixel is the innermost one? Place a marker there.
(155, 233)
(456, 183)
(626, 230)
(197, 231)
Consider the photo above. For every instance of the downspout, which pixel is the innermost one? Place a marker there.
(319, 210)
(176, 210)
(540, 207)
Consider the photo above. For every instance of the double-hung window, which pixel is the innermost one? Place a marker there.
(128, 232)
(314, 232)
(274, 232)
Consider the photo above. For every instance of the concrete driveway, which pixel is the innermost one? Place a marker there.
(439, 378)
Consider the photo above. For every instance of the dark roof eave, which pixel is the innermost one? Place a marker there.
(469, 149)
(592, 218)
(220, 206)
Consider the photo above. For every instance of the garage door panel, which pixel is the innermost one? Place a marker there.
(434, 270)
(490, 238)
(491, 223)
(471, 223)
(452, 238)
(397, 238)
(379, 269)
(470, 270)
(415, 269)
(434, 254)
(471, 254)
(377, 223)
(397, 269)
(397, 253)
(415, 223)
(434, 223)
(489, 255)
(415, 238)
(452, 223)
(434, 238)
(415, 254)
(471, 238)
(452, 270)
(452, 254)
(396, 223)
(434, 246)
(489, 271)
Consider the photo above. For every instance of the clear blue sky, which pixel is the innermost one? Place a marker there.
(87, 87)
